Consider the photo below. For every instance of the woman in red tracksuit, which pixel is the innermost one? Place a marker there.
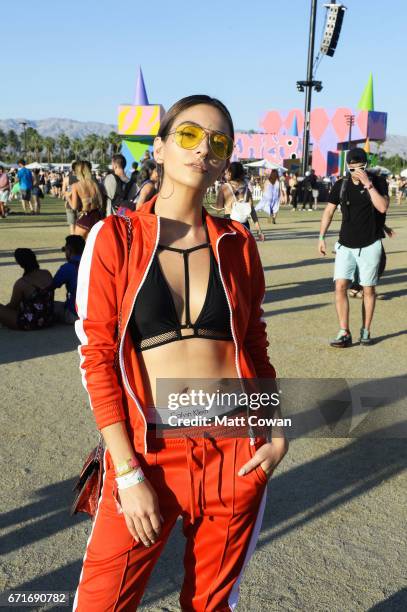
(184, 289)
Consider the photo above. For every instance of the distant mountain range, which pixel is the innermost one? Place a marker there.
(79, 129)
(54, 126)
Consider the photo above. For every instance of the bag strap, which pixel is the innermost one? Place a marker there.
(343, 192)
(232, 192)
(140, 188)
(127, 188)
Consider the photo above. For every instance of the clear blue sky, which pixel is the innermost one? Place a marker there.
(79, 59)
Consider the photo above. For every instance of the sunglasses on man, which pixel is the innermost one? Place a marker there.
(358, 168)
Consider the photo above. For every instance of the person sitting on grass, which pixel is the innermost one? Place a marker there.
(32, 301)
(65, 312)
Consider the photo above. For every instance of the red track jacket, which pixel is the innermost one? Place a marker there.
(108, 283)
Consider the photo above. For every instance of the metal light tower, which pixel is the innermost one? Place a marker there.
(333, 25)
(24, 124)
(308, 85)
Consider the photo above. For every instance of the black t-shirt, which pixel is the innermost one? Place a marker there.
(310, 182)
(362, 223)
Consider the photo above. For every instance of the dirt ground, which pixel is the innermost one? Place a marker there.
(334, 532)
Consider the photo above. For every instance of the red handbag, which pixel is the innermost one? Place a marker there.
(88, 487)
(89, 484)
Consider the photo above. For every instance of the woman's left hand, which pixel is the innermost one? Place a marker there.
(267, 456)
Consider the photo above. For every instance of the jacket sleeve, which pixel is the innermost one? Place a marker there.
(96, 305)
(256, 341)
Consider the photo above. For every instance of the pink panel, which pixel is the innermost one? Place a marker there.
(318, 161)
(271, 122)
(339, 123)
(266, 146)
(361, 120)
(319, 123)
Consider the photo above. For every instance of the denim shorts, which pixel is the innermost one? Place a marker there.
(25, 194)
(366, 260)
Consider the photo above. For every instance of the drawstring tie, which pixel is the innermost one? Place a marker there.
(203, 472)
(188, 452)
(190, 460)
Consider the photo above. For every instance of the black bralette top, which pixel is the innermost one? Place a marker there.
(154, 320)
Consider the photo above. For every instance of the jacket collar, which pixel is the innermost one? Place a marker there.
(216, 227)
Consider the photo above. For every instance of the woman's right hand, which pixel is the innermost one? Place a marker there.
(141, 512)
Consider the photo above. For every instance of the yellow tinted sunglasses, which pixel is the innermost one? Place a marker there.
(190, 135)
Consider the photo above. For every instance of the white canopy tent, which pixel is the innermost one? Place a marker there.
(37, 166)
(6, 165)
(403, 173)
(380, 170)
(265, 164)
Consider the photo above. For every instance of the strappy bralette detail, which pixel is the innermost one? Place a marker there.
(155, 321)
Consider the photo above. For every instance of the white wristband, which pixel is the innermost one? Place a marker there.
(131, 479)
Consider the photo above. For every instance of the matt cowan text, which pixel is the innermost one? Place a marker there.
(225, 421)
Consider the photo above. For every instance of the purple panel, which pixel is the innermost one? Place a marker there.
(332, 163)
(377, 125)
(330, 113)
(329, 139)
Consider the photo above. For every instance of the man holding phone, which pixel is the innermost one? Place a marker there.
(364, 201)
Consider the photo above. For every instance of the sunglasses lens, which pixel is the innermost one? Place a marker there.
(222, 145)
(189, 136)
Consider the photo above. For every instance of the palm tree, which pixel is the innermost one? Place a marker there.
(115, 141)
(37, 144)
(102, 146)
(3, 141)
(49, 144)
(63, 143)
(89, 144)
(77, 147)
(13, 142)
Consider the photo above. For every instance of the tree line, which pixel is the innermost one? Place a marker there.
(394, 163)
(98, 149)
(35, 147)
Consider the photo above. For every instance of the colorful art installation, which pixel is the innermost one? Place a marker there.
(366, 102)
(138, 123)
(278, 140)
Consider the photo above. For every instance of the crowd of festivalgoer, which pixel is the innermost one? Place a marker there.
(90, 196)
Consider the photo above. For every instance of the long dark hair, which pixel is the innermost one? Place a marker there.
(179, 107)
(146, 170)
(27, 259)
(236, 171)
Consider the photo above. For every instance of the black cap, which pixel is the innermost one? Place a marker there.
(76, 243)
(356, 156)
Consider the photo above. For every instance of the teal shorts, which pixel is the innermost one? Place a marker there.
(366, 260)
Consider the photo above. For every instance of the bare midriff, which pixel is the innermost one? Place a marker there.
(193, 358)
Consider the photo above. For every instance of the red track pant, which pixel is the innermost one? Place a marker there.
(221, 513)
